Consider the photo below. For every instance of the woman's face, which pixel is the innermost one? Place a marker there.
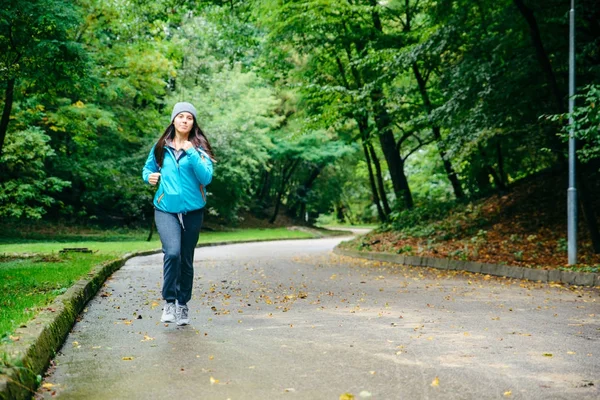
(183, 122)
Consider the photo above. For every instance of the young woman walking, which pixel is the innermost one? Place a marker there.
(181, 163)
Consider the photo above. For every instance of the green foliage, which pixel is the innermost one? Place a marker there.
(287, 93)
(26, 191)
(586, 123)
(36, 41)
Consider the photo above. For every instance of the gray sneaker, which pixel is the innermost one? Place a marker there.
(182, 315)
(168, 314)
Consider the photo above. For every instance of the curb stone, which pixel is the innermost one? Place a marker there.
(509, 271)
(26, 359)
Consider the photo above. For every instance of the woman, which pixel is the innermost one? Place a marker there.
(181, 163)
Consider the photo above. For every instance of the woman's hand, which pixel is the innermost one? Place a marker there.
(187, 145)
(154, 178)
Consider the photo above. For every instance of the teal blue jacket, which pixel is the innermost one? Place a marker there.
(182, 184)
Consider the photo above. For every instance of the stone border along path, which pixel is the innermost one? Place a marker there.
(28, 357)
(532, 274)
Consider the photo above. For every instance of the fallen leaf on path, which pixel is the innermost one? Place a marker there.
(435, 382)
(48, 385)
(547, 354)
(213, 381)
(346, 396)
(508, 393)
(127, 358)
(147, 338)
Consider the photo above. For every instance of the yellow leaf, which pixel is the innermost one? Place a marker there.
(333, 277)
(213, 381)
(147, 338)
(79, 104)
(508, 393)
(127, 358)
(154, 305)
(346, 396)
(48, 385)
(547, 354)
(571, 352)
(435, 382)
(128, 322)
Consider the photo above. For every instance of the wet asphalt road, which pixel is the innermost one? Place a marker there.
(290, 320)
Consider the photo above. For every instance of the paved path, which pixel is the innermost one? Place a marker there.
(290, 320)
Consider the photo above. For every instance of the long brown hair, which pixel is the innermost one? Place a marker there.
(197, 137)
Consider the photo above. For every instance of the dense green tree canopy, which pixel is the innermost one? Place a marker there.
(354, 108)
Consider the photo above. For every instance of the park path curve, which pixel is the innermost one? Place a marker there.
(291, 320)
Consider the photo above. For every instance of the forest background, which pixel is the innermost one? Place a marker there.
(399, 112)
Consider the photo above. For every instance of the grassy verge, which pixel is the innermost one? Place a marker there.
(33, 272)
(123, 243)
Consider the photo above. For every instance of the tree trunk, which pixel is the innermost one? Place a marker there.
(380, 185)
(452, 177)
(543, 59)
(386, 137)
(285, 177)
(8, 102)
(500, 186)
(380, 212)
(151, 231)
(501, 171)
(546, 66)
(265, 186)
(390, 151)
(339, 213)
(299, 208)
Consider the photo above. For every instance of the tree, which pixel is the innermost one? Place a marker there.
(37, 50)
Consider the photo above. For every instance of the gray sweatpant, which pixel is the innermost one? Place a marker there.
(179, 238)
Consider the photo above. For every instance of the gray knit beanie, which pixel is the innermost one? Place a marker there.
(183, 107)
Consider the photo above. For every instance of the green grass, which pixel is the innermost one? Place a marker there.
(121, 244)
(28, 284)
